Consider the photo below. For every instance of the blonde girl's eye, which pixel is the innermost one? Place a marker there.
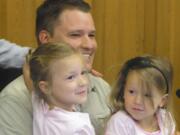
(70, 77)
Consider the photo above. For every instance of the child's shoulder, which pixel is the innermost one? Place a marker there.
(120, 123)
(121, 117)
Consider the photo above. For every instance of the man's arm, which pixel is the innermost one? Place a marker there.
(14, 118)
(15, 109)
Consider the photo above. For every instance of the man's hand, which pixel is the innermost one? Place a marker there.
(96, 73)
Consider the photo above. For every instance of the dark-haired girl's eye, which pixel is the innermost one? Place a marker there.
(147, 95)
(132, 92)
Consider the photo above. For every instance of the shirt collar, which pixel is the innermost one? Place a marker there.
(92, 86)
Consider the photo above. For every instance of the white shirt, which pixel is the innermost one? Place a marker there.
(58, 121)
(122, 124)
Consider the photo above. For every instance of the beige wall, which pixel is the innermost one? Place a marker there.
(125, 28)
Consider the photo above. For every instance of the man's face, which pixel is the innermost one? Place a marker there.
(77, 29)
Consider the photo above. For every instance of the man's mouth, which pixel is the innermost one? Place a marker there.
(87, 57)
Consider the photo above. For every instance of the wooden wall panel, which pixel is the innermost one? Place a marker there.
(163, 28)
(18, 21)
(2, 18)
(140, 21)
(98, 15)
(175, 52)
(149, 27)
(116, 34)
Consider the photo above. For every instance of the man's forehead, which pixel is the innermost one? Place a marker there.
(72, 16)
(74, 20)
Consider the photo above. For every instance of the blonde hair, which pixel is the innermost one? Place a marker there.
(154, 70)
(41, 59)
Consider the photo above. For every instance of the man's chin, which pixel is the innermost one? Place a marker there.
(88, 61)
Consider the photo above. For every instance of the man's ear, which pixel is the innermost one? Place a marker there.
(44, 36)
(44, 87)
(164, 101)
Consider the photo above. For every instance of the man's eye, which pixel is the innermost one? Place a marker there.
(75, 34)
(92, 35)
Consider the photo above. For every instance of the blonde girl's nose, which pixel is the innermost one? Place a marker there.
(83, 81)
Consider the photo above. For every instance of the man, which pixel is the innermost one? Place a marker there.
(67, 21)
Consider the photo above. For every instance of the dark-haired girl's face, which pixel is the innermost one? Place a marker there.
(141, 104)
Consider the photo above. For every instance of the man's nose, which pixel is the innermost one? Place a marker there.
(88, 42)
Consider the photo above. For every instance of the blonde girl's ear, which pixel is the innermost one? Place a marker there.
(164, 101)
(44, 87)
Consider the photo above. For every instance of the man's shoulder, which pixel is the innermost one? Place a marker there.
(15, 95)
(15, 109)
(15, 88)
(99, 85)
(98, 82)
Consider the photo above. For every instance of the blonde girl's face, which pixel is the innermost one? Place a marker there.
(139, 103)
(69, 83)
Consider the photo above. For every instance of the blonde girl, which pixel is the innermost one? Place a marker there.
(60, 84)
